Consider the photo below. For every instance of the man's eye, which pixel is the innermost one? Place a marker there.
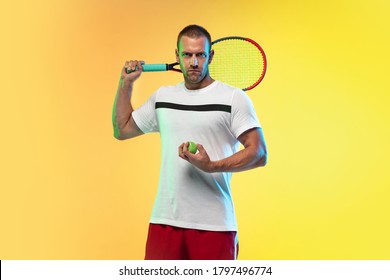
(201, 55)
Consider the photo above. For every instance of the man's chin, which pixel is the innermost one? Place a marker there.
(194, 79)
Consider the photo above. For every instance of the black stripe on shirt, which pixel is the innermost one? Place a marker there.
(199, 108)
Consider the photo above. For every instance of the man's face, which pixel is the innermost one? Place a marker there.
(194, 57)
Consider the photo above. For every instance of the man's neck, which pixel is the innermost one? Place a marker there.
(202, 84)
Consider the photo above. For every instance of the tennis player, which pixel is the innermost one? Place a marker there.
(193, 215)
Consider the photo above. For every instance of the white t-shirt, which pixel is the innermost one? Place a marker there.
(213, 116)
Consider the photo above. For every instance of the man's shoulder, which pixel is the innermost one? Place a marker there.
(171, 88)
(226, 86)
(228, 89)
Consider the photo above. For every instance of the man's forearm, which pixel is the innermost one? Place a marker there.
(122, 109)
(245, 159)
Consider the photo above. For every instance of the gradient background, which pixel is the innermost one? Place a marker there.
(69, 190)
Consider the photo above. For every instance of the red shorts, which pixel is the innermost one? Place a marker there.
(174, 243)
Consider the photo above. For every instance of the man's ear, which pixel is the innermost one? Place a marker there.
(177, 56)
(211, 55)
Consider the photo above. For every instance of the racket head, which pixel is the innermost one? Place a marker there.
(238, 61)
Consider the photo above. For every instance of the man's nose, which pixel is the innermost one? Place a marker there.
(194, 61)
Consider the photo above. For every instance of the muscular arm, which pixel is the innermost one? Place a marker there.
(253, 155)
(122, 121)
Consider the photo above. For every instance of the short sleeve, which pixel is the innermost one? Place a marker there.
(243, 114)
(145, 116)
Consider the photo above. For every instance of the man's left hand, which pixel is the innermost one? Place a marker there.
(201, 159)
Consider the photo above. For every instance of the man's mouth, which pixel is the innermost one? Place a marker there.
(193, 71)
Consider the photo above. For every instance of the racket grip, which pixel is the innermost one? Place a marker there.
(155, 67)
(152, 68)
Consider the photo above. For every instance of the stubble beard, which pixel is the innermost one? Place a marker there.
(195, 77)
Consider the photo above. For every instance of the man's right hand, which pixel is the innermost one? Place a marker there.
(135, 66)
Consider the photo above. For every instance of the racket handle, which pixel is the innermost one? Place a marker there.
(155, 67)
(152, 68)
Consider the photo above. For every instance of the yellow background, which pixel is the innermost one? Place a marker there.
(69, 190)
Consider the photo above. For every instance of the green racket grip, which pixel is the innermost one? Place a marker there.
(152, 68)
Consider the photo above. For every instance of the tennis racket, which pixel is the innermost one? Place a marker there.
(237, 61)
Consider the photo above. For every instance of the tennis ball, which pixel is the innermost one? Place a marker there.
(192, 147)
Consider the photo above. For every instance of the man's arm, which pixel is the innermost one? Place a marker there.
(122, 120)
(253, 155)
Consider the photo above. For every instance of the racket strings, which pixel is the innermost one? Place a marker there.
(237, 62)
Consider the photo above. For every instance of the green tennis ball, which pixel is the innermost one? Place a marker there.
(192, 147)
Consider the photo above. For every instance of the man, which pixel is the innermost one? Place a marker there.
(193, 215)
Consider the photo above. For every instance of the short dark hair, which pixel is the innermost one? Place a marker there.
(193, 31)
